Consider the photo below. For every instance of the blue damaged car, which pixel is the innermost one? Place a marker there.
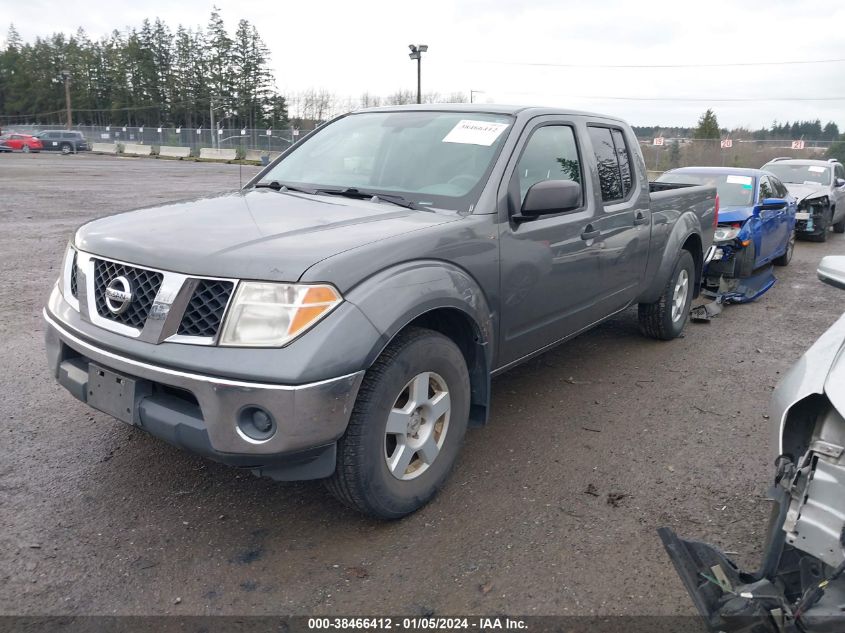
(756, 228)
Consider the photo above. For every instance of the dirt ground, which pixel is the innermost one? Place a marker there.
(552, 508)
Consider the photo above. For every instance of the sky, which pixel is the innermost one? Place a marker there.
(527, 52)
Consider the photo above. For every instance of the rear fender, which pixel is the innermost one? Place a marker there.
(686, 233)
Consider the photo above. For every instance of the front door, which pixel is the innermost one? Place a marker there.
(773, 225)
(549, 265)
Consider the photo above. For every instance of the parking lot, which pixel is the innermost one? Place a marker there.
(552, 509)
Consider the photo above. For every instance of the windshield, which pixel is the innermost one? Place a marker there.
(733, 190)
(801, 174)
(437, 159)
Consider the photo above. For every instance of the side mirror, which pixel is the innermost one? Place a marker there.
(550, 196)
(839, 182)
(832, 270)
(772, 204)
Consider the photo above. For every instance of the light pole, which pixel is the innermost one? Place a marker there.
(472, 93)
(416, 53)
(66, 77)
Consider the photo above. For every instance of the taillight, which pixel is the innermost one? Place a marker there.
(716, 214)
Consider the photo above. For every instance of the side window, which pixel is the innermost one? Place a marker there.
(765, 189)
(607, 161)
(550, 154)
(839, 171)
(777, 185)
(624, 161)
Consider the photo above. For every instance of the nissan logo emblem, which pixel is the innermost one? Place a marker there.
(118, 295)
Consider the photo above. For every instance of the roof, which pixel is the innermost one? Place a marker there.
(802, 161)
(733, 171)
(485, 108)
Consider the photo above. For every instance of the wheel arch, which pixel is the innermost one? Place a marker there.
(443, 298)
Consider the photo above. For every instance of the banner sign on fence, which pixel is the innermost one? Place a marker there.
(294, 132)
(269, 132)
(797, 144)
(243, 132)
(199, 130)
(659, 141)
(220, 131)
(178, 130)
(158, 130)
(727, 143)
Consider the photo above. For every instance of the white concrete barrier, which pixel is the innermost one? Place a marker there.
(174, 152)
(104, 148)
(209, 153)
(134, 149)
(254, 154)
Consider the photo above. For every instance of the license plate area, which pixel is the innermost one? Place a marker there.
(112, 393)
(802, 215)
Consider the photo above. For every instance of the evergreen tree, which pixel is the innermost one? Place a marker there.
(708, 126)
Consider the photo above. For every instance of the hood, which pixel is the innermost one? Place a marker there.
(802, 191)
(255, 234)
(735, 214)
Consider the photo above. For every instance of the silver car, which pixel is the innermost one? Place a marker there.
(820, 188)
(800, 585)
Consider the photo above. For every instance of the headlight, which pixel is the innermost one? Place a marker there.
(67, 280)
(271, 315)
(725, 234)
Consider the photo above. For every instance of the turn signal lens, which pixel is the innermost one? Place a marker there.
(272, 315)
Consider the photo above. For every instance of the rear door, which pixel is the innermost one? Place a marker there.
(624, 217)
(839, 193)
(549, 271)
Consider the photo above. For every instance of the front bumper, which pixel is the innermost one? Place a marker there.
(200, 413)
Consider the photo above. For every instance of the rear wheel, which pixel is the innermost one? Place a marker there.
(67, 148)
(665, 318)
(784, 259)
(839, 227)
(406, 428)
(25, 149)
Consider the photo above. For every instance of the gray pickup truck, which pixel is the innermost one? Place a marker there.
(341, 316)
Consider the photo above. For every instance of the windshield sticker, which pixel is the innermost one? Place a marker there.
(816, 169)
(472, 132)
(739, 180)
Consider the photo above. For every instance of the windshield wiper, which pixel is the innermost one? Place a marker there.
(278, 186)
(352, 192)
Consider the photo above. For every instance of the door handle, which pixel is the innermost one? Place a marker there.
(640, 218)
(590, 233)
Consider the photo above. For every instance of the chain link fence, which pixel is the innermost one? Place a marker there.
(684, 152)
(239, 139)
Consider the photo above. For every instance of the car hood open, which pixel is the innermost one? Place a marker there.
(254, 234)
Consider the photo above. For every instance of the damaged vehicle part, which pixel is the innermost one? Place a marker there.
(800, 585)
(819, 186)
(755, 230)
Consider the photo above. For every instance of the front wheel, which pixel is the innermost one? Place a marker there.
(406, 428)
(665, 318)
(25, 149)
(839, 227)
(784, 259)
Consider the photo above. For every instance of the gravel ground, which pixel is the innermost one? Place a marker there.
(552, 508)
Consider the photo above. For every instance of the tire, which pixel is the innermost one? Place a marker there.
(664, 319)
(824, 225)
(839, 227)
(784, 259)
(25, 149)
(363, 479)
(67, 148)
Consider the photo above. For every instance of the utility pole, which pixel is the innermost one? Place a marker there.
(416, 53)
(213, 126)
(66, 77)
(472, 93)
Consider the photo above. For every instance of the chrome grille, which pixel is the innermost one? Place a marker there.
(205, 310)
(144, 287)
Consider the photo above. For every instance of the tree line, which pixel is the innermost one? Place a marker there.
(147, 76)
(708, 128)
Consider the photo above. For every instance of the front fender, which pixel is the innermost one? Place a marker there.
(687, 226)
(396, 296)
